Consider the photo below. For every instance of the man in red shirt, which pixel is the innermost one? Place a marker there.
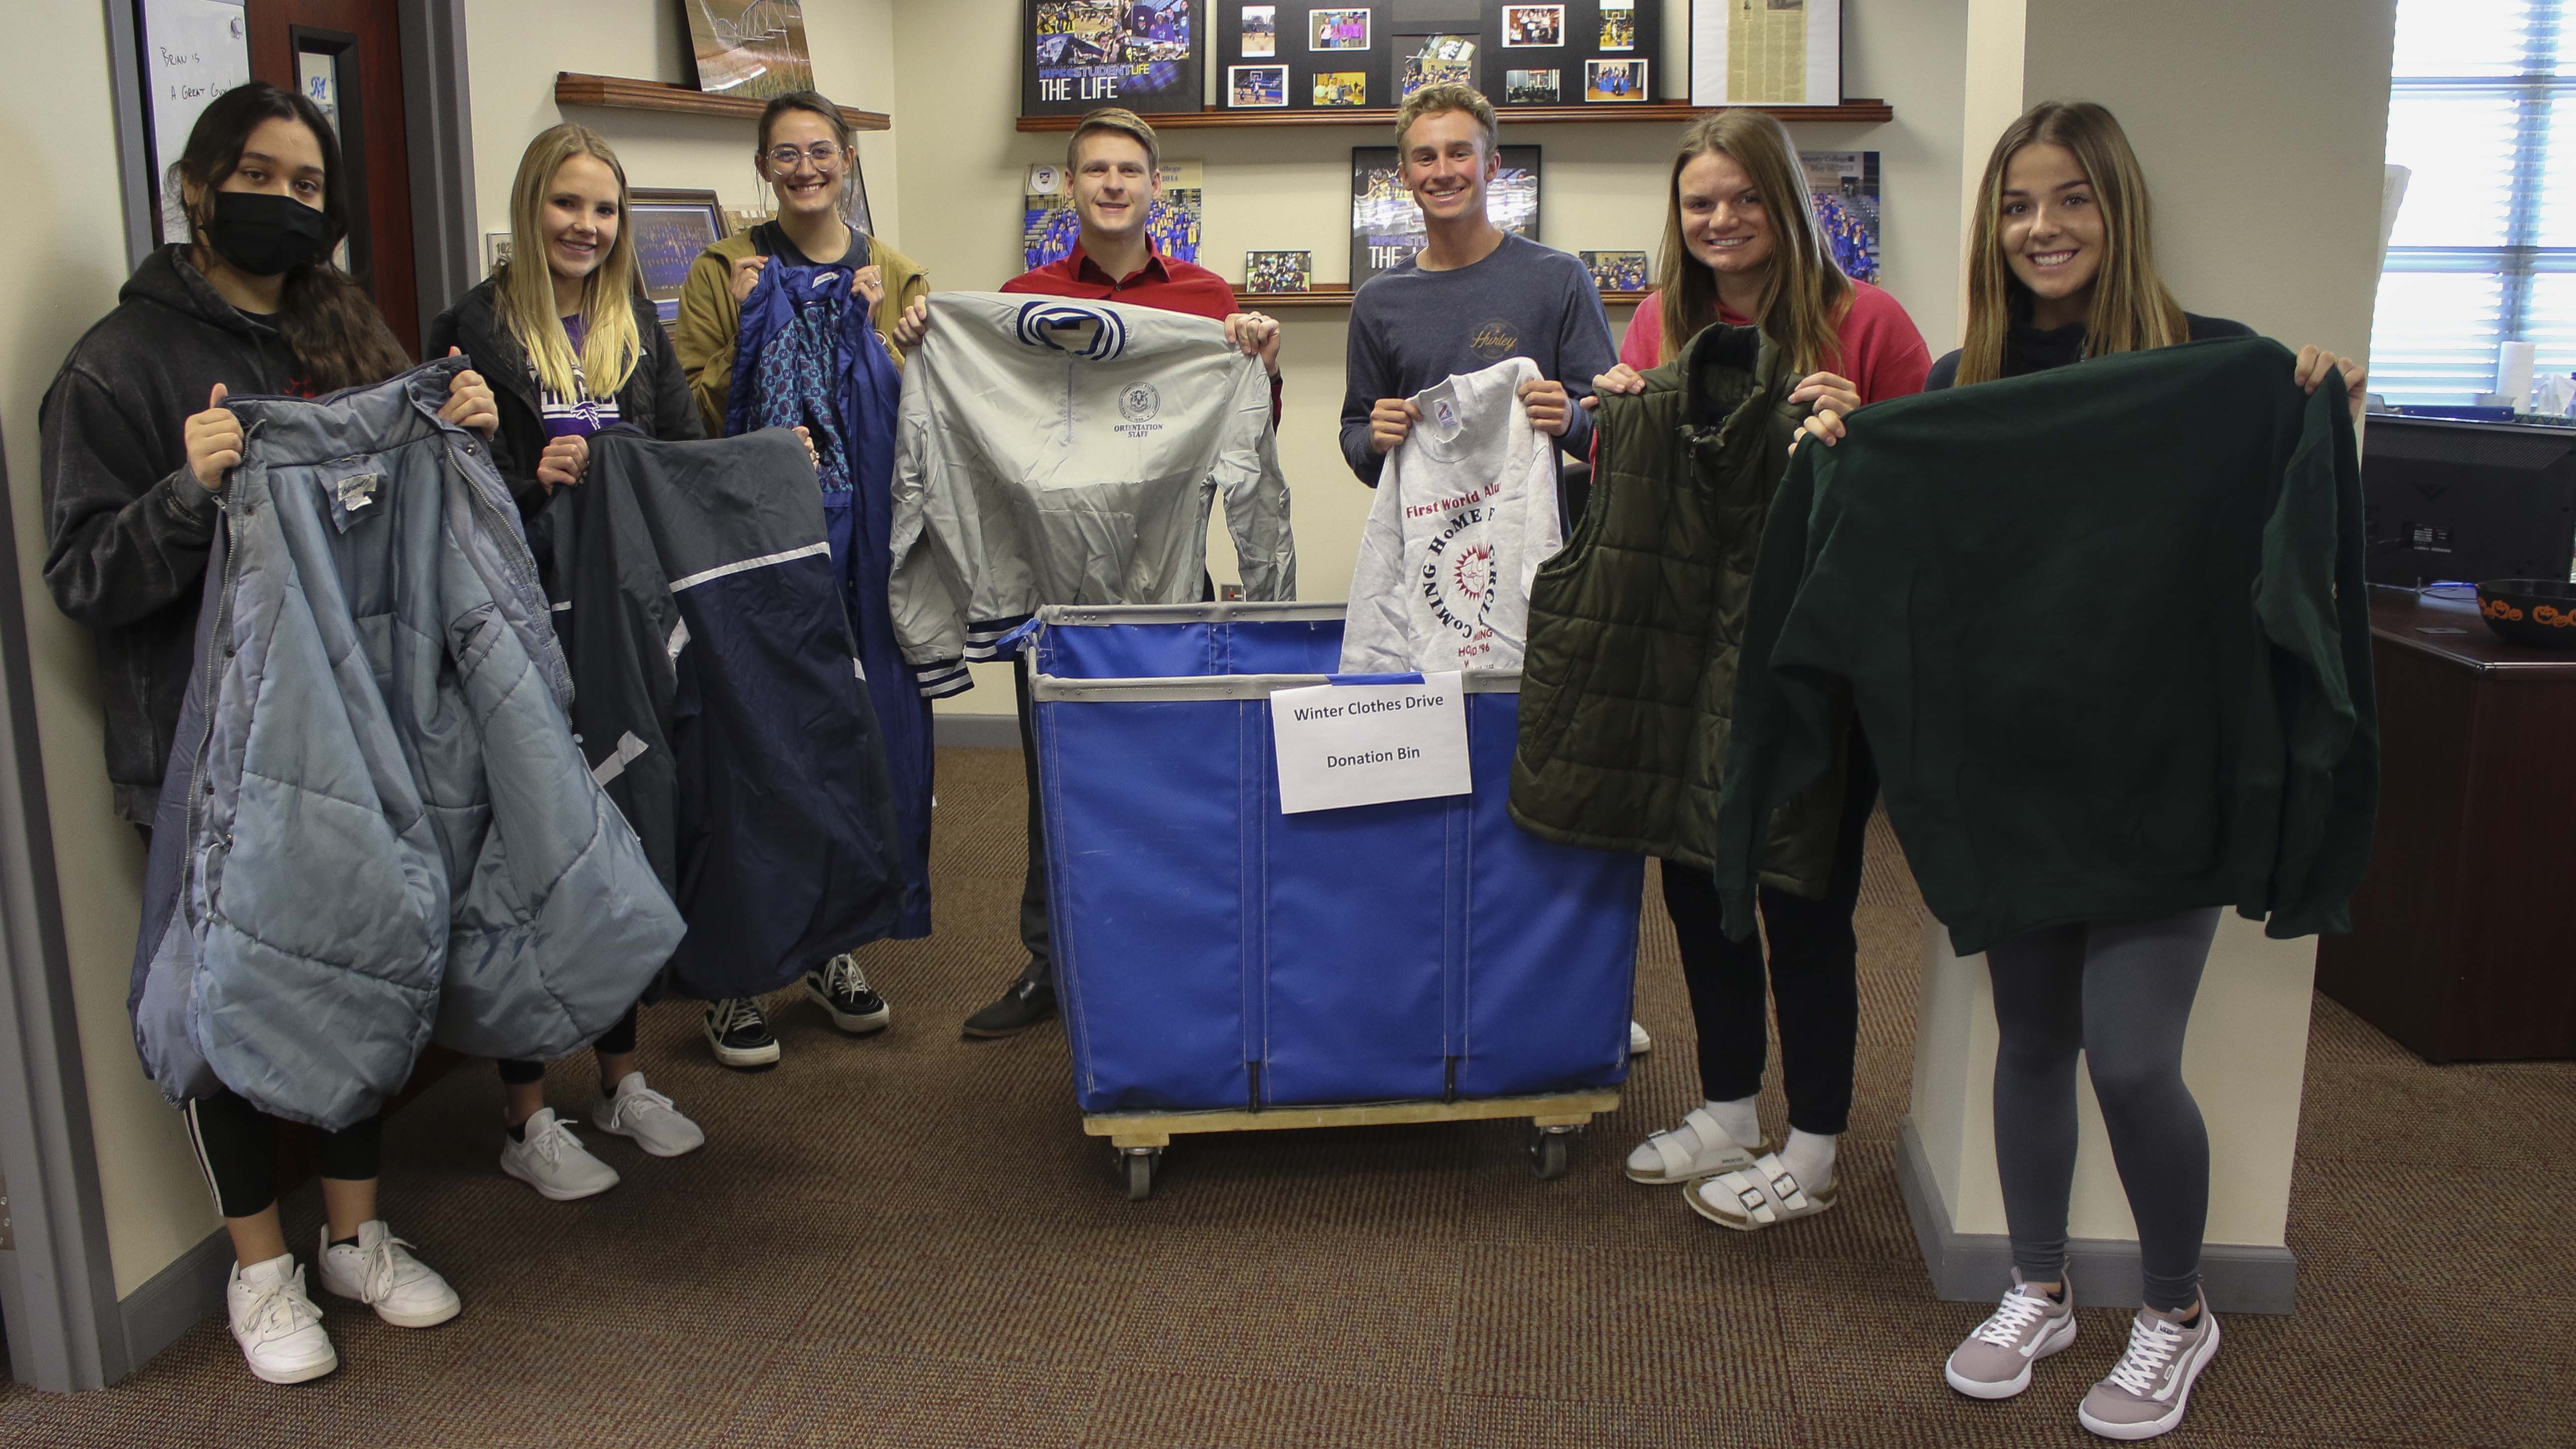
(1113, 166)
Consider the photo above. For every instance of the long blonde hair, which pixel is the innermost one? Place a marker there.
(2131, 309)
(1804, 301)
(524, 290)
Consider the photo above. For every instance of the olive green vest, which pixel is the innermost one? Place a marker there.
(1628, 684)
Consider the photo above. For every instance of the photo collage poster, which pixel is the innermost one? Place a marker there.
(1144, 55)
(1048, 225)
(1292, 56)
(1577, 53)
(1386, 227)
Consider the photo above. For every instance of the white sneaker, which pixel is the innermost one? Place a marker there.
(1638, 1042)
(278, 1328)
(554, 1162)
(378, 1272)
(637, 1111)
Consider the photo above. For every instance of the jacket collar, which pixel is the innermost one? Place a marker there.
(1087, 270)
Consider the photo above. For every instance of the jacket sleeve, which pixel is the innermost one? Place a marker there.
(928, 593)
(709, 322)
(1583, 353)
(1256, 498)
(2313, 601)
(126, 534)
(905, 284)
(1782, 740)
(1368, 377)
(675, 405)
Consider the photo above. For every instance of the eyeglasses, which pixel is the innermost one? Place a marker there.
(824, 155)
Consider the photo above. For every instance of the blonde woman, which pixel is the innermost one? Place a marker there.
(2060, 268)
(1741, 246)
(571, 346)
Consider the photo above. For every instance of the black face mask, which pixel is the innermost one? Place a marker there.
(264, 234)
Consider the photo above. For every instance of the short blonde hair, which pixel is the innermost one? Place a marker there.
(1432, 100)
(1121, 120)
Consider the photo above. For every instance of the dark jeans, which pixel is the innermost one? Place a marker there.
(617, 1039)
(236, 1147)
(1814, 976)
(2121, 995)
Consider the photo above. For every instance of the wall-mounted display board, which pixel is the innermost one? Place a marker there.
(1581, 52)
(193, 51)
(1077, 55)
(1294, 55)
(1386, 227)
(1766, 52)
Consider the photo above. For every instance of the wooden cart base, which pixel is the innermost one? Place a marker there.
(1139, 1138)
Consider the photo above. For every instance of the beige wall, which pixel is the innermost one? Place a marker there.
(56, 125)
(1289, 189)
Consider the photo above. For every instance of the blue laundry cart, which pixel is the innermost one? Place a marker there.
(1224, 967)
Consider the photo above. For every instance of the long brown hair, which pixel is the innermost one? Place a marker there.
(1807, 295)
(524, 291)
(842, 136)
(2131, 309)
(325, 319)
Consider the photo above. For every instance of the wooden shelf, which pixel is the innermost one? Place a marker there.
(1864, 111)
(620, 93)
(1339, 296)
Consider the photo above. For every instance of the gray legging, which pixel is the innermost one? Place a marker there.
(2121, 994)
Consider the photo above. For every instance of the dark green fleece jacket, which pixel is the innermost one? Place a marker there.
(2106, 629)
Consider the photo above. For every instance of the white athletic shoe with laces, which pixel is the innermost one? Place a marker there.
(277, 1326)
(553, 1161)
(636, 1110)
(378, 1272)
(2149, 1387)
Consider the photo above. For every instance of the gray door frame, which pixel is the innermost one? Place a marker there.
(66, 1327)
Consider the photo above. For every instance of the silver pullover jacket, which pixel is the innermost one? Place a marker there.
(1055, 451)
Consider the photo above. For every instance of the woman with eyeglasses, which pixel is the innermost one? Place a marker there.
(806, 156)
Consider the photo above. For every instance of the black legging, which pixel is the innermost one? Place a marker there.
(1814, 971)
(237, 1151)
(2121, 995)
(618, 1038)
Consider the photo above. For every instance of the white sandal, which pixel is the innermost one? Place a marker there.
(1679, 1166)
(1767, 1196)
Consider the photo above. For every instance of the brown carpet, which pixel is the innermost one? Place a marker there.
(908, 1241)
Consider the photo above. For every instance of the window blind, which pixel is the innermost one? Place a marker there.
(2482, 109)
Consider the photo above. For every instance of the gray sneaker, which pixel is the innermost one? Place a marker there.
(1994, 1362)
(2147, 1389)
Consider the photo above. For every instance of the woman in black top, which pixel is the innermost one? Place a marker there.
(137, 447)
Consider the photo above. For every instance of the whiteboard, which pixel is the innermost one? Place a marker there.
(193, 51)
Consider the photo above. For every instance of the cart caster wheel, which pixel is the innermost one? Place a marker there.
(1138, 1165)
(1551, 1152)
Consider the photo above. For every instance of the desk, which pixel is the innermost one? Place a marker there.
(2463, 945)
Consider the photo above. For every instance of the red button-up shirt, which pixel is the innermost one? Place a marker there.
(1164, 282)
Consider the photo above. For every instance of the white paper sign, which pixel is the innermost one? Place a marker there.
(1366, 744)
(193, 51)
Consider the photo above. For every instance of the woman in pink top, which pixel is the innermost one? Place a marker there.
(1741, 246)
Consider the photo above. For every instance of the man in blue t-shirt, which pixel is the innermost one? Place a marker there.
(1474, 295)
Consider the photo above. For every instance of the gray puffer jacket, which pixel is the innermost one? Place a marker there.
(377, 825)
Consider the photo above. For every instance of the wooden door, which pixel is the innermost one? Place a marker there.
(346, 56)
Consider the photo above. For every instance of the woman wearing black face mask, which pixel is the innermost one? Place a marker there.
(136, 446)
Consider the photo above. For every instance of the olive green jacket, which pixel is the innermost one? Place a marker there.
(1628, 683)
(710, 319)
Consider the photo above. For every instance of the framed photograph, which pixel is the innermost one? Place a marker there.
(1144, 55)
(1615, 80)
(1337, 30)
(749, 48)
(1260, 31)
(1616, 271)
(1437, 59)
(1529, 88)
(1256, 85)
(1533, 27)
(1766, 52)
(1386, 226)
(1341, 88)
(1844, 187)
(670, 229)
(1618, 25)
(1274, 273)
